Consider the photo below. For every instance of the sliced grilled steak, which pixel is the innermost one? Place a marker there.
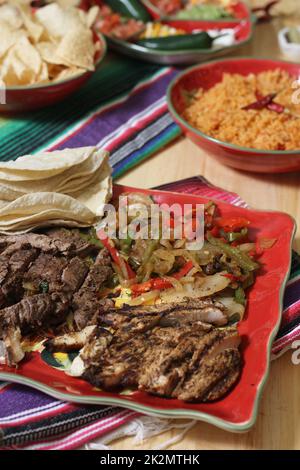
(36, 240)
(11, 290)
(86, 301)
(74, 274)
(36, 311)
(45, 273)
(4, 269)
(80, 246)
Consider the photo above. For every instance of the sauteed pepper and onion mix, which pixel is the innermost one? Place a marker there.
(149, 271)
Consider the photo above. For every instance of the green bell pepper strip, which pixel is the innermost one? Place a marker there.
(240, 296)
(178, 43)
(242, 259)
(130, 9)
(235, 236)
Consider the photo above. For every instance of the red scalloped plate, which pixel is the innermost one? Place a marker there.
(238, 410)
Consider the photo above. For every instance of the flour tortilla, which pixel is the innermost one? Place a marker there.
(26, 203)
(35, 204)
(74, 178)
(102, 190)
(43, 164)
(46, 223)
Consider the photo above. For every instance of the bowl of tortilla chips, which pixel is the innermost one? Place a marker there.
(45, 53)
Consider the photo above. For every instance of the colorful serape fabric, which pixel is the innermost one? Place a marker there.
(122, 108)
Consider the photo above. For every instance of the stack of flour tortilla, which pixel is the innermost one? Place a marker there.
(68, 187)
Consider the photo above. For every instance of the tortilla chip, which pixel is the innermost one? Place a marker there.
(48, 52)
(67, 73)
(11, 15)
(8, 37)
(57, 20)
(46, 44)
(92, 15)
(77, 49)
(35, 31)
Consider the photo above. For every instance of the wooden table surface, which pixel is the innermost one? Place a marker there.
(278, 423)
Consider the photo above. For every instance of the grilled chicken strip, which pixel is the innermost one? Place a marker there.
(214, 378)
(70, 341)
(192, 310)
(87, 362)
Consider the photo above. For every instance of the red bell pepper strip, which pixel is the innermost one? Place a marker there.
(230, 276)
(160, 284)
(109, 245)
(232, 224)
(184, 270)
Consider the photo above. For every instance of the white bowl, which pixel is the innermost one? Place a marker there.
(289, 49)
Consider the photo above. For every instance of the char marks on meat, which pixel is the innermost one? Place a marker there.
(41, 274)
(191, 360)
(172, 314)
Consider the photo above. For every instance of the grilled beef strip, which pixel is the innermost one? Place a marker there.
(36, 240)
(74, 274)
(35, 312)
(11, 290)
(86, 301)
(81, 247)
(45, 269)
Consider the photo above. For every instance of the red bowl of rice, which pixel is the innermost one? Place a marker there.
(208, 102)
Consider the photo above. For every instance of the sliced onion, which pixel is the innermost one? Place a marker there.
(246, 247)
(175, 283)
(179, 243)
(166, 243)
(232, 306)
(147, 298)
